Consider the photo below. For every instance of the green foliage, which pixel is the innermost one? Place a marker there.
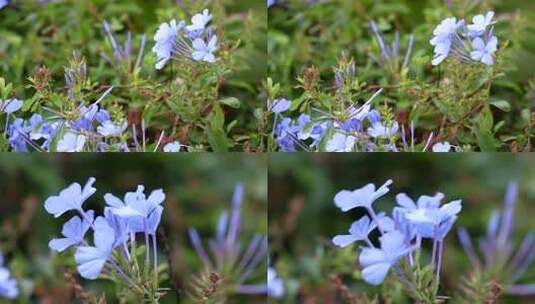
(472, 106)
(38, 42)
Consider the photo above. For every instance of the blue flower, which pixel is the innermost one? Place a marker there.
(102, 116)
(73, 231)
(271, 3)
(480, 23)
(142, 214)
(120, 227)
(434, 222)
(362, 197)
(11, 105)
(351, 125)
(3, 3)
(172, 147)
(359, 231)
(377, 262)
(199, 21)
(442, 40)
(483, 52)
(8, 286)
(406, 204)
(203, 51)
(165, 41)
(108, 128)
(341, 143)
(378, 130)
(275, 285)
(442, 147)
(71, 142)
(91, 259)
(71, 198)
(279, 105)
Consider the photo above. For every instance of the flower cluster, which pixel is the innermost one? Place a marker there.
(87, 128)
(175, 40)
(114, 234)
(464, 42)
(401, 233)
(8, 286)
(499, 259)
(358, 128)
(229, 259)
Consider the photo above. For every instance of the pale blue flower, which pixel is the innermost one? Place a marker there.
(165, 41)
(434, 222)
(280, 105)
(271, 3)
(363, 197)
(119, 226)
(203, 51)
(199, 21)
(11, 105)
(406, 204)
(377, 262)
(71, 142)
(91, 259)
(442, 40)
(70, 198)
(3, 3)
(275, 285)
(378, 130)
(108, 128)
(73, 231)
(442, 147)
(172, 147)
(483, 52)
(341, 143)
(8, 286)
(142, 213)
(480, 22)
(358, 231)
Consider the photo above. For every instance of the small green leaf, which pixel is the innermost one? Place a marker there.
(501, 104)
(232, 102)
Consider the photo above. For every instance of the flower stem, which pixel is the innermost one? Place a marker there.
(375, 218)
(155, 257)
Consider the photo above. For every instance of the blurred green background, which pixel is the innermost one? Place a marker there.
(198, 187)
(303, 217)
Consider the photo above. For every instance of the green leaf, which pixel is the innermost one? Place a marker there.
(232, 102)
(501, 104)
